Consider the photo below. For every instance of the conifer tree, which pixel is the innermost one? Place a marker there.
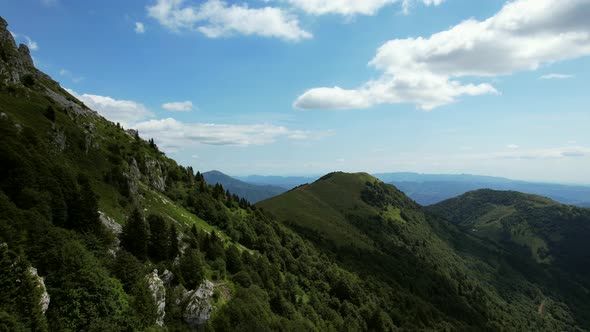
(136, 235)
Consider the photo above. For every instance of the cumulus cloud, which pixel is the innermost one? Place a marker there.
(512, 146)
(139, 27)
(173, 135)
(178, 106)
(126, 112)
(429, 72)
(556, 77)
(352, 7)
(215, 18)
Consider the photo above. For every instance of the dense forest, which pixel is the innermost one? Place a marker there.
(100, 231)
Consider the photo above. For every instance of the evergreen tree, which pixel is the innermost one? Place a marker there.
(191, 268)
(234, 262)
(173, 242)
(136, 235)
(158, 245)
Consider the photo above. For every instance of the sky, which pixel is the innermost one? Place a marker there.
(305, 87)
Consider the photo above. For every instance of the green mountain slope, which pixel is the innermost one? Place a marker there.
(375, 230)
(551, 233)
(125, 239)
(251, 192)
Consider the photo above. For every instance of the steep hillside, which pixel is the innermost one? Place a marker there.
(374, 229)
(100, 231)
(553, 233)
(251, 192)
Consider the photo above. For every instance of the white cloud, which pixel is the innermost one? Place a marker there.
(548, 153)
(512, 146)
(352, 7)
(139, 27)
(178, 106)
(214, 19)
(556, 76)
(68, 74)
(33, 46)
(523, 35)
(126, 112)
(173, 135)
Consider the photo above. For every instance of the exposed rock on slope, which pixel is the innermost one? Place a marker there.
(158, 291)
(198, 309)
(44, 299)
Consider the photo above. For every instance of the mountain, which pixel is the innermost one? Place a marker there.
(415, 256)
(552, 233)
(287, 182)
(101, 231)
(251, 192)
(428, 189)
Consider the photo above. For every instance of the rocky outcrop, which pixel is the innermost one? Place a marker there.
(16, 63)
(59, 138)
(110, 224)
(44, 299)
(198, 306)
(133, 178)
(25, 56)
(158, 290)
(155, 173)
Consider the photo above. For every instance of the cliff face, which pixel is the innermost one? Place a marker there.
(16, 63)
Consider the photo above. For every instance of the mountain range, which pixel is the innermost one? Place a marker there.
(253, 193)
(101, 231)
(428, 189)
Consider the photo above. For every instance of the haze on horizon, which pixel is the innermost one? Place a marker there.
(302, 87)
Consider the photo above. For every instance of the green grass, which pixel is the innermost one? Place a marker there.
(322, 207)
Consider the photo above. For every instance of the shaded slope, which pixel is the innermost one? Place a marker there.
(552, 232)
(377, 231)
(251, 192)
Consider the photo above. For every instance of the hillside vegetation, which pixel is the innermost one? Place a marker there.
(100, 231)
(460, 280)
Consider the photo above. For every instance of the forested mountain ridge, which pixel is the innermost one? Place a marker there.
(253, 193)
(100, 231)
(551, 233)
(126, 239)
(374, 229)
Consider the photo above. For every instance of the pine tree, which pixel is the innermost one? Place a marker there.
(158, 245)
(136, 235)
(173, 242)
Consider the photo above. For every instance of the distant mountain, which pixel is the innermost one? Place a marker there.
(287, 182)
(553, 233)
(251, 192)
(413, 255)
(427, 189)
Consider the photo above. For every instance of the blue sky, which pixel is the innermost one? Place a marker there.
(310, 86)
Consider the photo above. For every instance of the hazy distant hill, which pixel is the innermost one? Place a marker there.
(427, 189)
(251, 192)
(414, 255)
(287, 182)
